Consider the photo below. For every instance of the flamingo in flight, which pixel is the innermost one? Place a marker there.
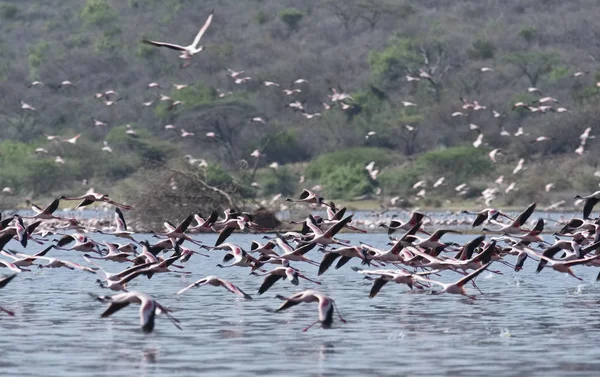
(187, 51)
(217, 282)
(148, 308)
(590, 201)
(515, 226)
(326, 306)
(458, 286)
(91, 197)
(307, 196)
(278, 273)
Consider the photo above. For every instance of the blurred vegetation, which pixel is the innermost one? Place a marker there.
(407, 65)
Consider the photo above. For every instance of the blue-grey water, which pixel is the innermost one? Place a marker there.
(525, 324)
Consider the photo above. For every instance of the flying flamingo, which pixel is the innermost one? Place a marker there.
(148, 308)
(91, 197)
(187, 51)
(217, 282)
(326, 306)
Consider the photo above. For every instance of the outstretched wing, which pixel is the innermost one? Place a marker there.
(203, 29)
(327, 261)
(113, 308)
(377, 284)
(225, 233)
(51, 207)
(195, 284)
(6, 279)
(472, 275)
(163, 44)
(268, 283)
(479, 220)
(234, 289)
(120, 220)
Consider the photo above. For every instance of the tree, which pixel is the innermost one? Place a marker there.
(291, 17)
(533, 65)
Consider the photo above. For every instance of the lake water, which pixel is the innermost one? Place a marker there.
(526, 324)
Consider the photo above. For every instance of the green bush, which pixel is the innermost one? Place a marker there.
(347, 182)
(398, 180)
(98, 12)
(285, 145)
(193, 95)
(216, 176)
(329, 162)
(143, 145)
(8, 11)
(37, 53)
(528, 34)
(273, 182)
(110, 40)
(482, 49)
(21, 169)
(291, 17)
(261, 18)
(393, 63)
(457, 164)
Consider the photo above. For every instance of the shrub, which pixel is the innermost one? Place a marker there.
(98, 12)
(21, 169)
(291, 17)
(216, 176)
(482, 49)
(193, 95)
(347, 182)
(457, 164)
(285, 145)
(398, 180)
(143, 146)
(528, 34)
(395, 61)
(8, 11)
(261, 18)
(329, 162)
(37, 53)
(282, 180)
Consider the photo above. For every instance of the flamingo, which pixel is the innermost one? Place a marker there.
(217, 282)
(308, 196)
(46, 213)
(91, 197)
(326, 306)
(485, 214)
(284, 272)
(187, 51)
(590, 201)
(148, 308)
(26, 106)
(458, 286)
(515, 226)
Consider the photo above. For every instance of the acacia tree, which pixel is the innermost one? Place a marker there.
(533, 65)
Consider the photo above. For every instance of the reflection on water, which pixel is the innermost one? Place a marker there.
(525, 325)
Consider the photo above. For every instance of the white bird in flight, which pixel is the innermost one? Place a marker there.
(187, 51)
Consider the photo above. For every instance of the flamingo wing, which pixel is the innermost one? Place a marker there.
(164, 44)
(203, 29)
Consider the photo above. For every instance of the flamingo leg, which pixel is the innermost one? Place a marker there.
(338, 312)
(572, 274)
(476, 287)
(311, 280)
(12, 314)
(311, 325)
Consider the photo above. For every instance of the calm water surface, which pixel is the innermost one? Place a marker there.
(525, 325)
